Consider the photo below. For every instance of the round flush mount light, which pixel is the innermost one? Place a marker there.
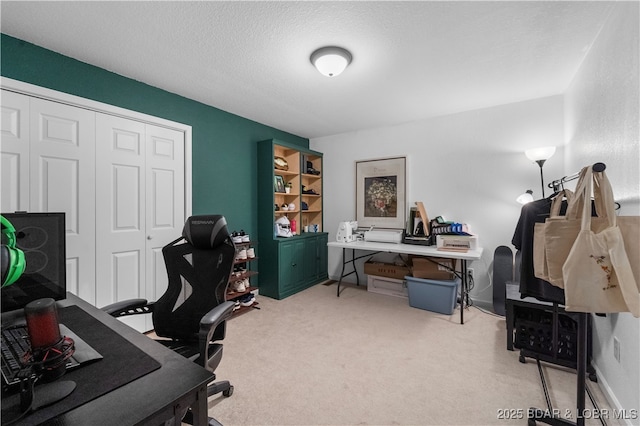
(331, 60)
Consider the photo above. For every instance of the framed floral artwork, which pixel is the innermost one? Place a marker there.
(381, 193)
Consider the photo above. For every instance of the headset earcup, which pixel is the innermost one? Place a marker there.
(13, 264)
(5, 260)
(13, 259)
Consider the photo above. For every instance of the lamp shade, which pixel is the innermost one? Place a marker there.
(537, 154)
(331, 60)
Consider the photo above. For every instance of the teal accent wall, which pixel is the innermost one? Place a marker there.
(223, 144)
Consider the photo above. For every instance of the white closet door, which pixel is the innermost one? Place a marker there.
(121, 183)
(120, 211)
(165, 201)
(15, 152)
(140, 179)
(62, 178)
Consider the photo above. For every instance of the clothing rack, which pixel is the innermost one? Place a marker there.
(551, 416)
(558, 183)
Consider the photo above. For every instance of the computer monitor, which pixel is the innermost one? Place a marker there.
(41, 236)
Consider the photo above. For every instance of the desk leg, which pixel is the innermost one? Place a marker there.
(199, 408)
(463, 291)
(344, 261)
(353, 263)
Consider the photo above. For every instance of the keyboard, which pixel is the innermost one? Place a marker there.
(15, 343)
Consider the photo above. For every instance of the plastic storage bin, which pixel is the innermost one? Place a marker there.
(433, 295)
(386, 286)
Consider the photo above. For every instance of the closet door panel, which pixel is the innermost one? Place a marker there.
(120, 213)
(165, 201)
(14, 185)
(53, 174)
(62, 178)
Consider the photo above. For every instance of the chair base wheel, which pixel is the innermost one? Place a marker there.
(228, 392)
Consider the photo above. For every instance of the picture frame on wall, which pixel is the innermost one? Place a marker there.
(381, 193)
(278, 184)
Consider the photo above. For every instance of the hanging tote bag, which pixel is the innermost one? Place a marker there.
(597, 273)
(540, 259)
(562, 231)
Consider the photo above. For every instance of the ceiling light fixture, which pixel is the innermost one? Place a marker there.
(331, 60)
(540, 155)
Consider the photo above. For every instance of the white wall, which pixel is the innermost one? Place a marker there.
(467, 167)
(602, 116)
(470, 167)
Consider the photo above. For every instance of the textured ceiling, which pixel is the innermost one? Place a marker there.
(411, 60)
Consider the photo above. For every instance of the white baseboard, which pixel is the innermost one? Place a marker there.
(611, 398)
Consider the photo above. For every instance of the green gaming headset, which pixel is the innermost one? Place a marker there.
(13, 261)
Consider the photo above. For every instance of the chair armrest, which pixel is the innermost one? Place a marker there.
(128, 307)
(210, 323)
(216, 315)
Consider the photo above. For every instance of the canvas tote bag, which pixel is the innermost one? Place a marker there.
(597, 273)
(562, 231)
(540, 258)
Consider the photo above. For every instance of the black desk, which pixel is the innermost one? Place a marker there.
(151, 399)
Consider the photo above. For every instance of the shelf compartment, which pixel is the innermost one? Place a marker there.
(232, 295)
(246, 274)
(244, 309)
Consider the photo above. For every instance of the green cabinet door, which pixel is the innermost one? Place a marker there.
(290, 266)
(315, 258)
(311, 260)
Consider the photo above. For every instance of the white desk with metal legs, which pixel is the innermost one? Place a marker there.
(418, 250)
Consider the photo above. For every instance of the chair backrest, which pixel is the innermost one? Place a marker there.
(199, 265)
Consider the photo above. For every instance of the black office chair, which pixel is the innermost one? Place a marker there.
(192, 313)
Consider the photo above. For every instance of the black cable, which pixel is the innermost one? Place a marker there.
(30, 381)
(484, 311)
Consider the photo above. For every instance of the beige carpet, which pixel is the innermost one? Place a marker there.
(369, 359)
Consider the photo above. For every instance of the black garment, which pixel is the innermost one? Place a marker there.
(532, 213)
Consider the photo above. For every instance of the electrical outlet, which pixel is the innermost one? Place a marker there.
(470, 274)
(616, 349)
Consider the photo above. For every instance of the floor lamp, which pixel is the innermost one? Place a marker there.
(526, 197)
(540, 155)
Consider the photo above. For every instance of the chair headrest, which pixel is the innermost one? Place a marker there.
(206, 231)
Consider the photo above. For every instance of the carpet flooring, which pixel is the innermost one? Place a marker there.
(370, 359)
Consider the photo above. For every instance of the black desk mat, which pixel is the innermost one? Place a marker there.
(123, 362)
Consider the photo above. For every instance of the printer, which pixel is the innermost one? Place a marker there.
(384, 235)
